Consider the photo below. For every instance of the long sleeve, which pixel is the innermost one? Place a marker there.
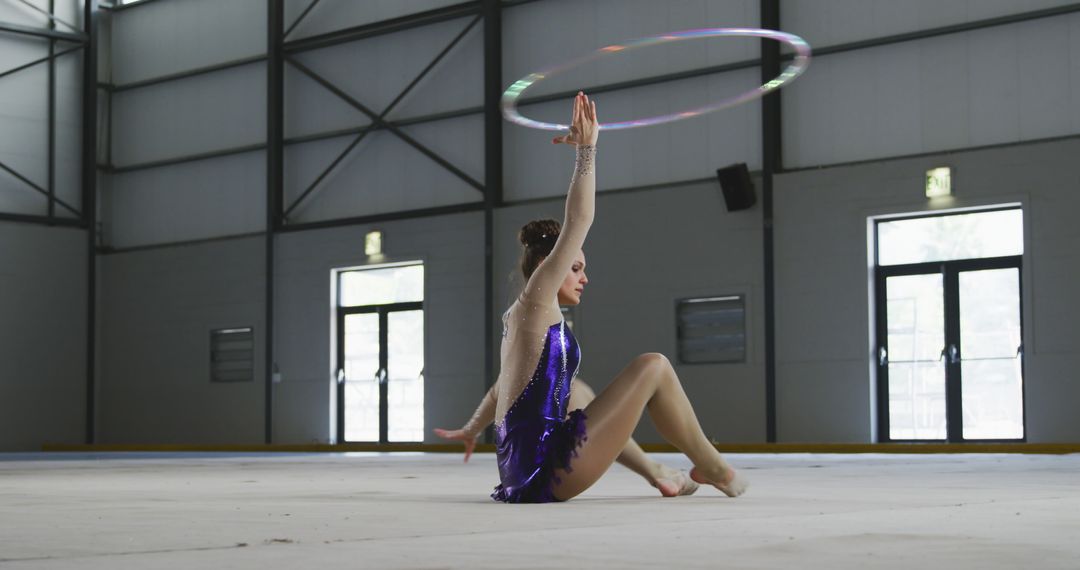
(483, 416)
(580, 209)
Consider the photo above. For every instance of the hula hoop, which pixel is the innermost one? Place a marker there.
(510, 97)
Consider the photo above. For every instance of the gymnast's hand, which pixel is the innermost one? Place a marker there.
(584, 128)
(459, 435)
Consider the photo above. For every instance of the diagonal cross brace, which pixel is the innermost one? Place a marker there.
(37, 61)
(382, 123)
(31, 184)
(299, 19)
(382, 116)
(386, 125)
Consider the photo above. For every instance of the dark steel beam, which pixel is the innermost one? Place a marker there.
(275, 175)
(621, 190)
(42, 220)
(493, 173)
(644, 81)
(933, 153)
(300, 18)
(183, 159)
(384, 27)
(51, 98)
(418, 120)
(37, 61)
(946, 30)
(89, 206)
(382, 117)
(389, 126)
(109, 250)
(42, 32)
(771, 132)
(387, 217)
(185, 74)
(107, 124)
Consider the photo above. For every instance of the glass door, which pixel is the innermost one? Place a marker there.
(950, 354)
(359, 379)
(915, 306)
(381, 375)
(405, 367)
(991, 364)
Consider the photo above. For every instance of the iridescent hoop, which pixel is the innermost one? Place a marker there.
(799, 65)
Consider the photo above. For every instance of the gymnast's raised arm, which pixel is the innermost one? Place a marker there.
(544, 283)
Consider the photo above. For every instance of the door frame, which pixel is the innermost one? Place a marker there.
(384, 408)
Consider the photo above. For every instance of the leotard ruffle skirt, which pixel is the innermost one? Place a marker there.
(555, 449)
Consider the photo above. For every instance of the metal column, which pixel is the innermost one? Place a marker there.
(493, 171)
(275, 119)
(89, 205)
(771, 163)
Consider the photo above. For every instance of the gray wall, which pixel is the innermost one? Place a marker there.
(824, 379)
(929, 98)
(157, 308)
(42, 336)
(159, 305)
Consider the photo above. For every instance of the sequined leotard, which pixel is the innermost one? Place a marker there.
(538, 360)
(534, 439)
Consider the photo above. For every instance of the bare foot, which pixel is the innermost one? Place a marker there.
(673, 483)
(729, 481)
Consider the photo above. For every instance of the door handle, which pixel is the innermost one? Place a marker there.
(883, 356)
(1020, 351)
(954, 354)
(340, 375)
(380, 376)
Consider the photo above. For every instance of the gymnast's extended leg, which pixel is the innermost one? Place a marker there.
(648, 382)
(671, 482)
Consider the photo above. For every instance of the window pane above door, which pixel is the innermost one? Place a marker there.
(380, 286)
(950, 237)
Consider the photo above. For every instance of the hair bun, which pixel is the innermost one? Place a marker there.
(540, 235)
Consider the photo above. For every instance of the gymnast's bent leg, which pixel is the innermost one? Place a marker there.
(669, 481)
(648, 382)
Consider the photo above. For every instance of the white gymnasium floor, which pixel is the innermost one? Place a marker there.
(330, 511)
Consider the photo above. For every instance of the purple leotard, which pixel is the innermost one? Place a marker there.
(534, 439)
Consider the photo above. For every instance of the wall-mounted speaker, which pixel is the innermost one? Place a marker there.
(737, 188)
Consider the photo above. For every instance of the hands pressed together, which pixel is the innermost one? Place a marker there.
(584, 128)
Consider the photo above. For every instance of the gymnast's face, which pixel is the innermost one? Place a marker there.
(573, 284)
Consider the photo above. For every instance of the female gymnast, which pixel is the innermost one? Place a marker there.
(544, 453)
